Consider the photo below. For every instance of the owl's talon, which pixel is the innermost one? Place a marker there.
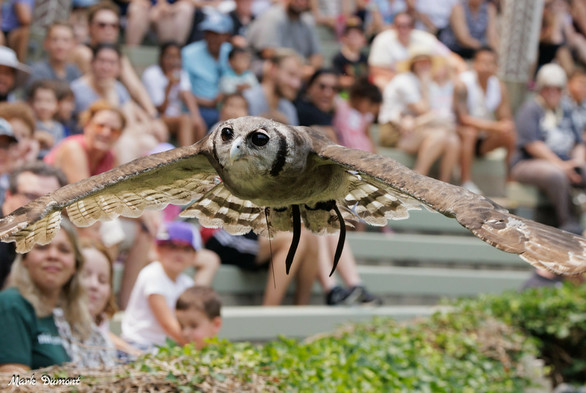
(341, 238)
(296, 236)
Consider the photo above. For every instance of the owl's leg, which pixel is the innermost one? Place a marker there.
(296, 236)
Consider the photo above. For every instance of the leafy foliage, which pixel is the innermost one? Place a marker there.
(554, 317)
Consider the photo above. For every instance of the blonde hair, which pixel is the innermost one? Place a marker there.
(98, 106)
(73, 297)
(111, 307)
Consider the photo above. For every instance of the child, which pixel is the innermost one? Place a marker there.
(239, 77)
(42, 98)
(350, 63)
(233, 106)
(66, 109)
(353, 118)
(149, 316)
(198, 313)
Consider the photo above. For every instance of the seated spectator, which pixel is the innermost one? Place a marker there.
(25, 183)
(16, 18)
(198, 310)
(330, 15)
(354, 117)
(42, 97)
(431, 15)
(575, 98)
(350, 62)
(232, 106)
(150, 315)
(104, 28)
(13, 74)
(206, 61)
(90, 153)
(287, 25)
(392, 46)
(484, 114)
(252, 252)
(238, 77)
(383, 13)
(242, 16)
(46, 320)
(408, 121)
(101, 83)
(58, 44)
(22, 119)
(8, 152)
(355, 293)
(472, 26)
(170, 90)
(281, 82)
(316, 106)
(66, 109)
(550, 149)
(171, 20)
(97, 277)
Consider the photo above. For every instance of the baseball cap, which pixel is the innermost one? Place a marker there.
(217, 22)
(180, 232)
(6, 130)
(8, 58)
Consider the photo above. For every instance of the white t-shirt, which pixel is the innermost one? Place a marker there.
(402, 90)
(156, 82)
(139, 324)
(387, 51)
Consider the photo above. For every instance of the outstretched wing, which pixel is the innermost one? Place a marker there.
(389, 189)
(176, 176)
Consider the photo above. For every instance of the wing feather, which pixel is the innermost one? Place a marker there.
(540, 245)
(176, 176)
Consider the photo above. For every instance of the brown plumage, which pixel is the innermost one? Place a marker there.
(250, 171)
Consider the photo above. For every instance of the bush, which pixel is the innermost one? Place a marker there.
(555, 317)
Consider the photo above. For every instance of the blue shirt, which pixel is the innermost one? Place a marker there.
(203, 69)
(9, 19)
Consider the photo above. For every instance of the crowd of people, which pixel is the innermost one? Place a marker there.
(424, 70)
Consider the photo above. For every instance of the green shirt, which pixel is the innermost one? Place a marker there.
(26, 338)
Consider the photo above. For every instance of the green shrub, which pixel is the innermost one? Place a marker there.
(555, 317)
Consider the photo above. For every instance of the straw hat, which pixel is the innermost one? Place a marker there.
(417, 52)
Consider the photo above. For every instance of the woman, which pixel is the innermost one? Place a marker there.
(98, 278)
(91, 153)
(410, 122)
(101, 83)
(45, 318)
(170, 89)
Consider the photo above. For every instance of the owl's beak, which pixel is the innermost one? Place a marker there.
(236, 150)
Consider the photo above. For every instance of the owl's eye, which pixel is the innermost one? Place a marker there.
(227, 134)
(259, 138)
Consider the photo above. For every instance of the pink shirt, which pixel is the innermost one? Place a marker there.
(351, 127)
(104, 165)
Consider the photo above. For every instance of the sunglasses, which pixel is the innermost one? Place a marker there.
(102, 126)
(103, 25)
(325, 86)
(6, 145)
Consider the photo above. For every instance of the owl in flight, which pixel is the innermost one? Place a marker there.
(256, 174)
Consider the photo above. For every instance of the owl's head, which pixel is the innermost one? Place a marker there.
(256, 144)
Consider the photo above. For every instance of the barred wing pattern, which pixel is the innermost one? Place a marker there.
(176, 176)
(541, 245)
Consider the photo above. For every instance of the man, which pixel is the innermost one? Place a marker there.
(206, 61)
(280, 85)
(12, 73)
(484, 114)
(59, 44)
(287, 26)
(392, 46)
(575, 98)
(26, 183)
(104, 27)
